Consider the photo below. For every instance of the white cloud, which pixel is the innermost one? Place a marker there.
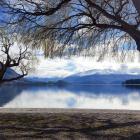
(64, 67)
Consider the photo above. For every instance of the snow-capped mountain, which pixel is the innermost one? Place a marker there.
(83, 70)
(100, 77)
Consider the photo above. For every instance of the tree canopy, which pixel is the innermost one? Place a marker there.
(72, 26)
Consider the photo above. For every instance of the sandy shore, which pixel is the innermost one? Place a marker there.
(61, 110)
(72, 124)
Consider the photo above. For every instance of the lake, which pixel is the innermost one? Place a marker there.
(70, 96)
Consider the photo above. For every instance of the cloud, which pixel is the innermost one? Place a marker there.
(57, 67)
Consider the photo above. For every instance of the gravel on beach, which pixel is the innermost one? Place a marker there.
(69, 124)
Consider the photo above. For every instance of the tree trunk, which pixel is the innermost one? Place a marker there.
(138, 48)
(137, 5)
(137, 40)
(2, 73)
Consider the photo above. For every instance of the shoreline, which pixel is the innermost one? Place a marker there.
(62, 110)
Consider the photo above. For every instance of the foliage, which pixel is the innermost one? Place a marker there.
(73, 27)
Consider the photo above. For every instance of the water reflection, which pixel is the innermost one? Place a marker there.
(93, 97)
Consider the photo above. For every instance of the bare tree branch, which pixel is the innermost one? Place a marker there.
(16, 60)
(66, 26)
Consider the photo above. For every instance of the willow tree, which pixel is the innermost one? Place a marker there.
(13, 56)
(71, 26)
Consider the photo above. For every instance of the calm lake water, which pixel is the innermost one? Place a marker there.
(91, 97)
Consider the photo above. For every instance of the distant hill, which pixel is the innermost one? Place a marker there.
(100, 77)
(10, 73)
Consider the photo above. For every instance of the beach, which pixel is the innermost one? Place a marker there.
(69, 124)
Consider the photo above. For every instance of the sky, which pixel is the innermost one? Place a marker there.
(63, 67)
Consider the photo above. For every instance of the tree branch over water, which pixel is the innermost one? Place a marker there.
(73, 26)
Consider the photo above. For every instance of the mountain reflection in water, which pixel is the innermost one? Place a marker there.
(79, 96)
